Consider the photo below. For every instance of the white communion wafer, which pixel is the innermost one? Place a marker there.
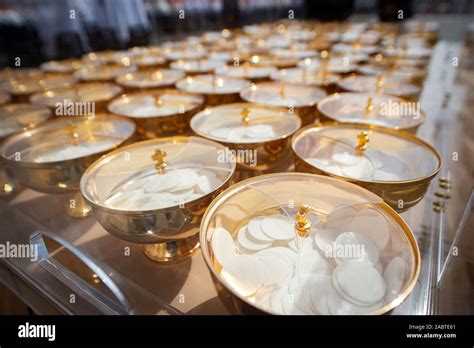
(355, 246)
(376, 157)
(359, 171)
(318, 162)
(346, 159)
(260, 131)
(382, 175)
(288, 302)
(361, 281)
(263, 297)
(221, 132)
(186, 178)
(160, 182)
(207, 182)
(394, 276)
(248, 244)
(373, 225)
(247, 273)
(278, 227)
(318, 288)
(277, 300)
(310, 260)
(338, 306)
(181, 196)
(223, 246)
(299, 296)
(325, 239)
(283, 253)
(254, 228)
(341, 217)
(277, 271)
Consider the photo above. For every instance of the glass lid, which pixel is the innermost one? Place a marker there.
(387, 85)
(211, 84)
(157, 174)
(150, 79)
(15, 117)
(103, 72)
(403, 72)
(4, 98)
(68, 138)
(246, 71)
(356, 48)
(104, 57)
(244, 123)
(305, 77)
(20, 73)
(26, 86)
(282, 94)
(336, 65)
(293, 52)
(159, 103)
(189, 52)
(82, 92)
(141, 60)
(366, 153)
(197, 65)
(304, 244)
(271, 60)
(64, 66)
(377, 109)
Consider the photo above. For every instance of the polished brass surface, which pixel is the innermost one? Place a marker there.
(269, 153)
(267, 194)
(169, 233)
(400, 195)
(167, 124)
(61, 176)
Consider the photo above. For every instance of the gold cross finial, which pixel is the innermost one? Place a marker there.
(159, 158)
(245, 113)
(73, 136)
(369, 106)
(363, 140)
(302, 223)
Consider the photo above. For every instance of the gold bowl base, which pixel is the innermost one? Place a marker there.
(173, 251)
(76, 206)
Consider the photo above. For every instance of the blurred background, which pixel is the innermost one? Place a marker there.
(40, 30)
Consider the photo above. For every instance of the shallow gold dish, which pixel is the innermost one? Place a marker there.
(391, 85)
(308, 205)
(143, 61)
(216, 90)
(64, 66)
(102, 73)
(85, 98)
(298, 99)
(376, 109)
(321, 79)
(161, 112)
(52, 157)
(22, 89)
(196, 66)
(258, 135)
(161, 78)
(15, 118)
(377, 158)
(134, 196)
(247, 71)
